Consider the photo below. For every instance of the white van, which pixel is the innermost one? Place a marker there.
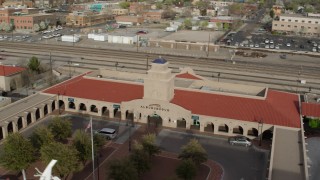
(109, 133)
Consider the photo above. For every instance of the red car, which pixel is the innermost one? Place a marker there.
(142, 32)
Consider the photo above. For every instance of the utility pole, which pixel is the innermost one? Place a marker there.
(147, 67)
(51, 73)
(208, 46)
(137, 43)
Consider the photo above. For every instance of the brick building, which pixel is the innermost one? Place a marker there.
(153, 15)
(86, 18)
(129, 20)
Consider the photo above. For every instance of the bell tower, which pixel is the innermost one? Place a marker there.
(159, 83)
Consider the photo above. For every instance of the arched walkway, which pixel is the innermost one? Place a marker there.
(267, 135)
(130, 117)
(45, 109)
(53, 105)
(71, 105)
(61, 105)
(1, 133)
(209, 128)
(19, 123)
(105, 111)
(237, 130)
(82, 107)
(181, 123)
(117, 113)
(253, 132)
(29, 120)
(93, 108)
(223, 128)
(10, 127)
(155, 120)
(37, 114)
(13, 85)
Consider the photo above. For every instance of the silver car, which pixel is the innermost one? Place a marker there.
(109, 133)
(240, 140)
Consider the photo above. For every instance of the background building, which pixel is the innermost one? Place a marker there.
(297, 24)
(86, 18)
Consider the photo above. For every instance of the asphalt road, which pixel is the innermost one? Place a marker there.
(238, 162)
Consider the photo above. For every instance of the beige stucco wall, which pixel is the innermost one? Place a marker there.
(6, 80)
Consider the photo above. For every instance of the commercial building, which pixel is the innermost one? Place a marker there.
(86, 18)
(297, 24)
(11, 77)
(25, 19)
(153, 15)
(129, 20)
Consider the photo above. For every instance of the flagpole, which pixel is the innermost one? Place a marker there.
(93, 175)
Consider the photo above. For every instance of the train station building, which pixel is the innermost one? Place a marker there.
(182, 100)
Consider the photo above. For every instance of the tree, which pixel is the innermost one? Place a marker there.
(17, 153)
(158, 5)
(271, 13)
(43, 25)
(36, 27)
(202, 5)
(122, 170)
(34, 64)
(99, 141)
(168, 14)
(194, 151)
(140, 159)
(204, 24)
(186, 170)
(7, 27)
(60, 128)
(67, 157)
(41, 136)
(149, 146)
(124, 5)
(187, 23)
(226, 26)
(82, 143)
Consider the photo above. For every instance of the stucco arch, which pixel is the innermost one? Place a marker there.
(93, 108)
(82, 107)
(1, 133)
(154, 120)
(53, 105)
(13, 84)
(267, 135)
(37, 114)
(237, 130)
(61, 105)
(45, 109)
(253, 132)
(20, 123)
(71, 105)
(223, 128)
(105, 111)
(10, 127)
(209, 127)
(29, 118)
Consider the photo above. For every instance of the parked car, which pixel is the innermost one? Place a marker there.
(142, 32)
(266, 41)
(271, 46)
(283, 56)
(277, 47)
(267, 46)
(109, 133)
(271, 41)
(314, 49)
(240, 140)
(256, 45)
(288, 44)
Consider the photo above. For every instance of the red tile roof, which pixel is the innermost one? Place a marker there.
(98, 90)
(279, 108)
(310, 109)
(187, 76)
(9, 70)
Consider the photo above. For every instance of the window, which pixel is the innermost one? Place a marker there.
(302, 21)
(282, 25)
(289, 20)
(275, 24)
(309, 27)
(296, 20)
(289, 25)
(309, 21)
(282, 19)
(302, 27)
(316, 22)
(295, 26)
(315, 28)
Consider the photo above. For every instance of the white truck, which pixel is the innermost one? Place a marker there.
(70, 38)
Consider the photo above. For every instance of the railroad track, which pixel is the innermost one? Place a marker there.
(203, 66)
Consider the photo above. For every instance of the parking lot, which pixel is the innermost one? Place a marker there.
(265, 40)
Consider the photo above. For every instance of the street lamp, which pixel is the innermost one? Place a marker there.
(147, 65)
